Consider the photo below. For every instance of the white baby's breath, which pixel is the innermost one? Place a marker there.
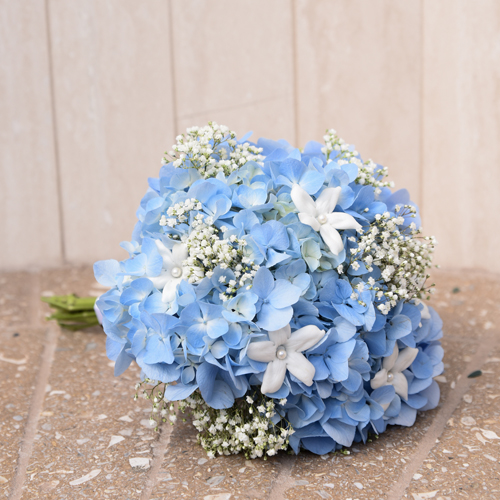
(369, 173)
(211, 149)
(400, 252)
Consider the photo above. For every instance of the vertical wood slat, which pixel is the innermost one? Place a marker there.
(112, 77)
(358, 72)
(234, 65)
(461, 147)
(29, 212)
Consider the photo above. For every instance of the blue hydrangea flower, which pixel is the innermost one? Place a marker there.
(276, 299)
(244, 255)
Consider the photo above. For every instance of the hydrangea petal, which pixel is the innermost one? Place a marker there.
(106, 271)
(422, 366)
(398, 327)
(318, 445)
(406, 416)
(263, 283)
(219, 349)
(205, 377)
(432, 393)
(284, 294)
(122, 362)
(217, 327)
(340, 432)
(222, 396)
(188, 375)
(271, 319)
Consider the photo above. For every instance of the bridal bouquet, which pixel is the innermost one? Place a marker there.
(275, 293)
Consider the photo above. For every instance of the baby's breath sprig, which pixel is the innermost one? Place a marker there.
(211, 149)
(153, 391)
(179, 213)
(207, 250)
(369, 173)
(401, 252)
(254, 425)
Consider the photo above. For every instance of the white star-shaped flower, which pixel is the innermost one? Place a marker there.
(173, 272)
(283, 352)
(392, 368)
(320, 216)
(424, 312)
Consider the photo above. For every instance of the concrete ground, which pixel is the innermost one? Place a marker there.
(70, 430)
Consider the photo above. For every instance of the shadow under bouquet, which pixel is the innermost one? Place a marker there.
(275, 294)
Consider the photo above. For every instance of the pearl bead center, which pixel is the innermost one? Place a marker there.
(281, 352)
(176, 272)
(322, 219)
(390, 377)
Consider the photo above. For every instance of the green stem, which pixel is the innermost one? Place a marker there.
(72, 312)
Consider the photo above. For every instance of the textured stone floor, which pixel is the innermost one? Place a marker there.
(69, 429)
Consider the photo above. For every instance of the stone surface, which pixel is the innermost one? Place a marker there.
(21, 342)
(465, 463)
(83, 406)
(90, 439)
(187, 473)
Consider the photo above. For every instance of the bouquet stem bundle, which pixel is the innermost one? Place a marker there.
(72, 312)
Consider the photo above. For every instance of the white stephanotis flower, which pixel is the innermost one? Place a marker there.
(392, 368)
(173, 271)
(424, 312)
(283, 352)
(320, 216)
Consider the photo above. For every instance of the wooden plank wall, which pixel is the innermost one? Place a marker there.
(30, 222)
(92, 92)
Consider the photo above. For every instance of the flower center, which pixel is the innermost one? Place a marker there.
(390, 377)
(176, 272)
(322, 219)
(281, 352)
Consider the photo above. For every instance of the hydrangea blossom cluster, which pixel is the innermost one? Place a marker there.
(290, 278)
